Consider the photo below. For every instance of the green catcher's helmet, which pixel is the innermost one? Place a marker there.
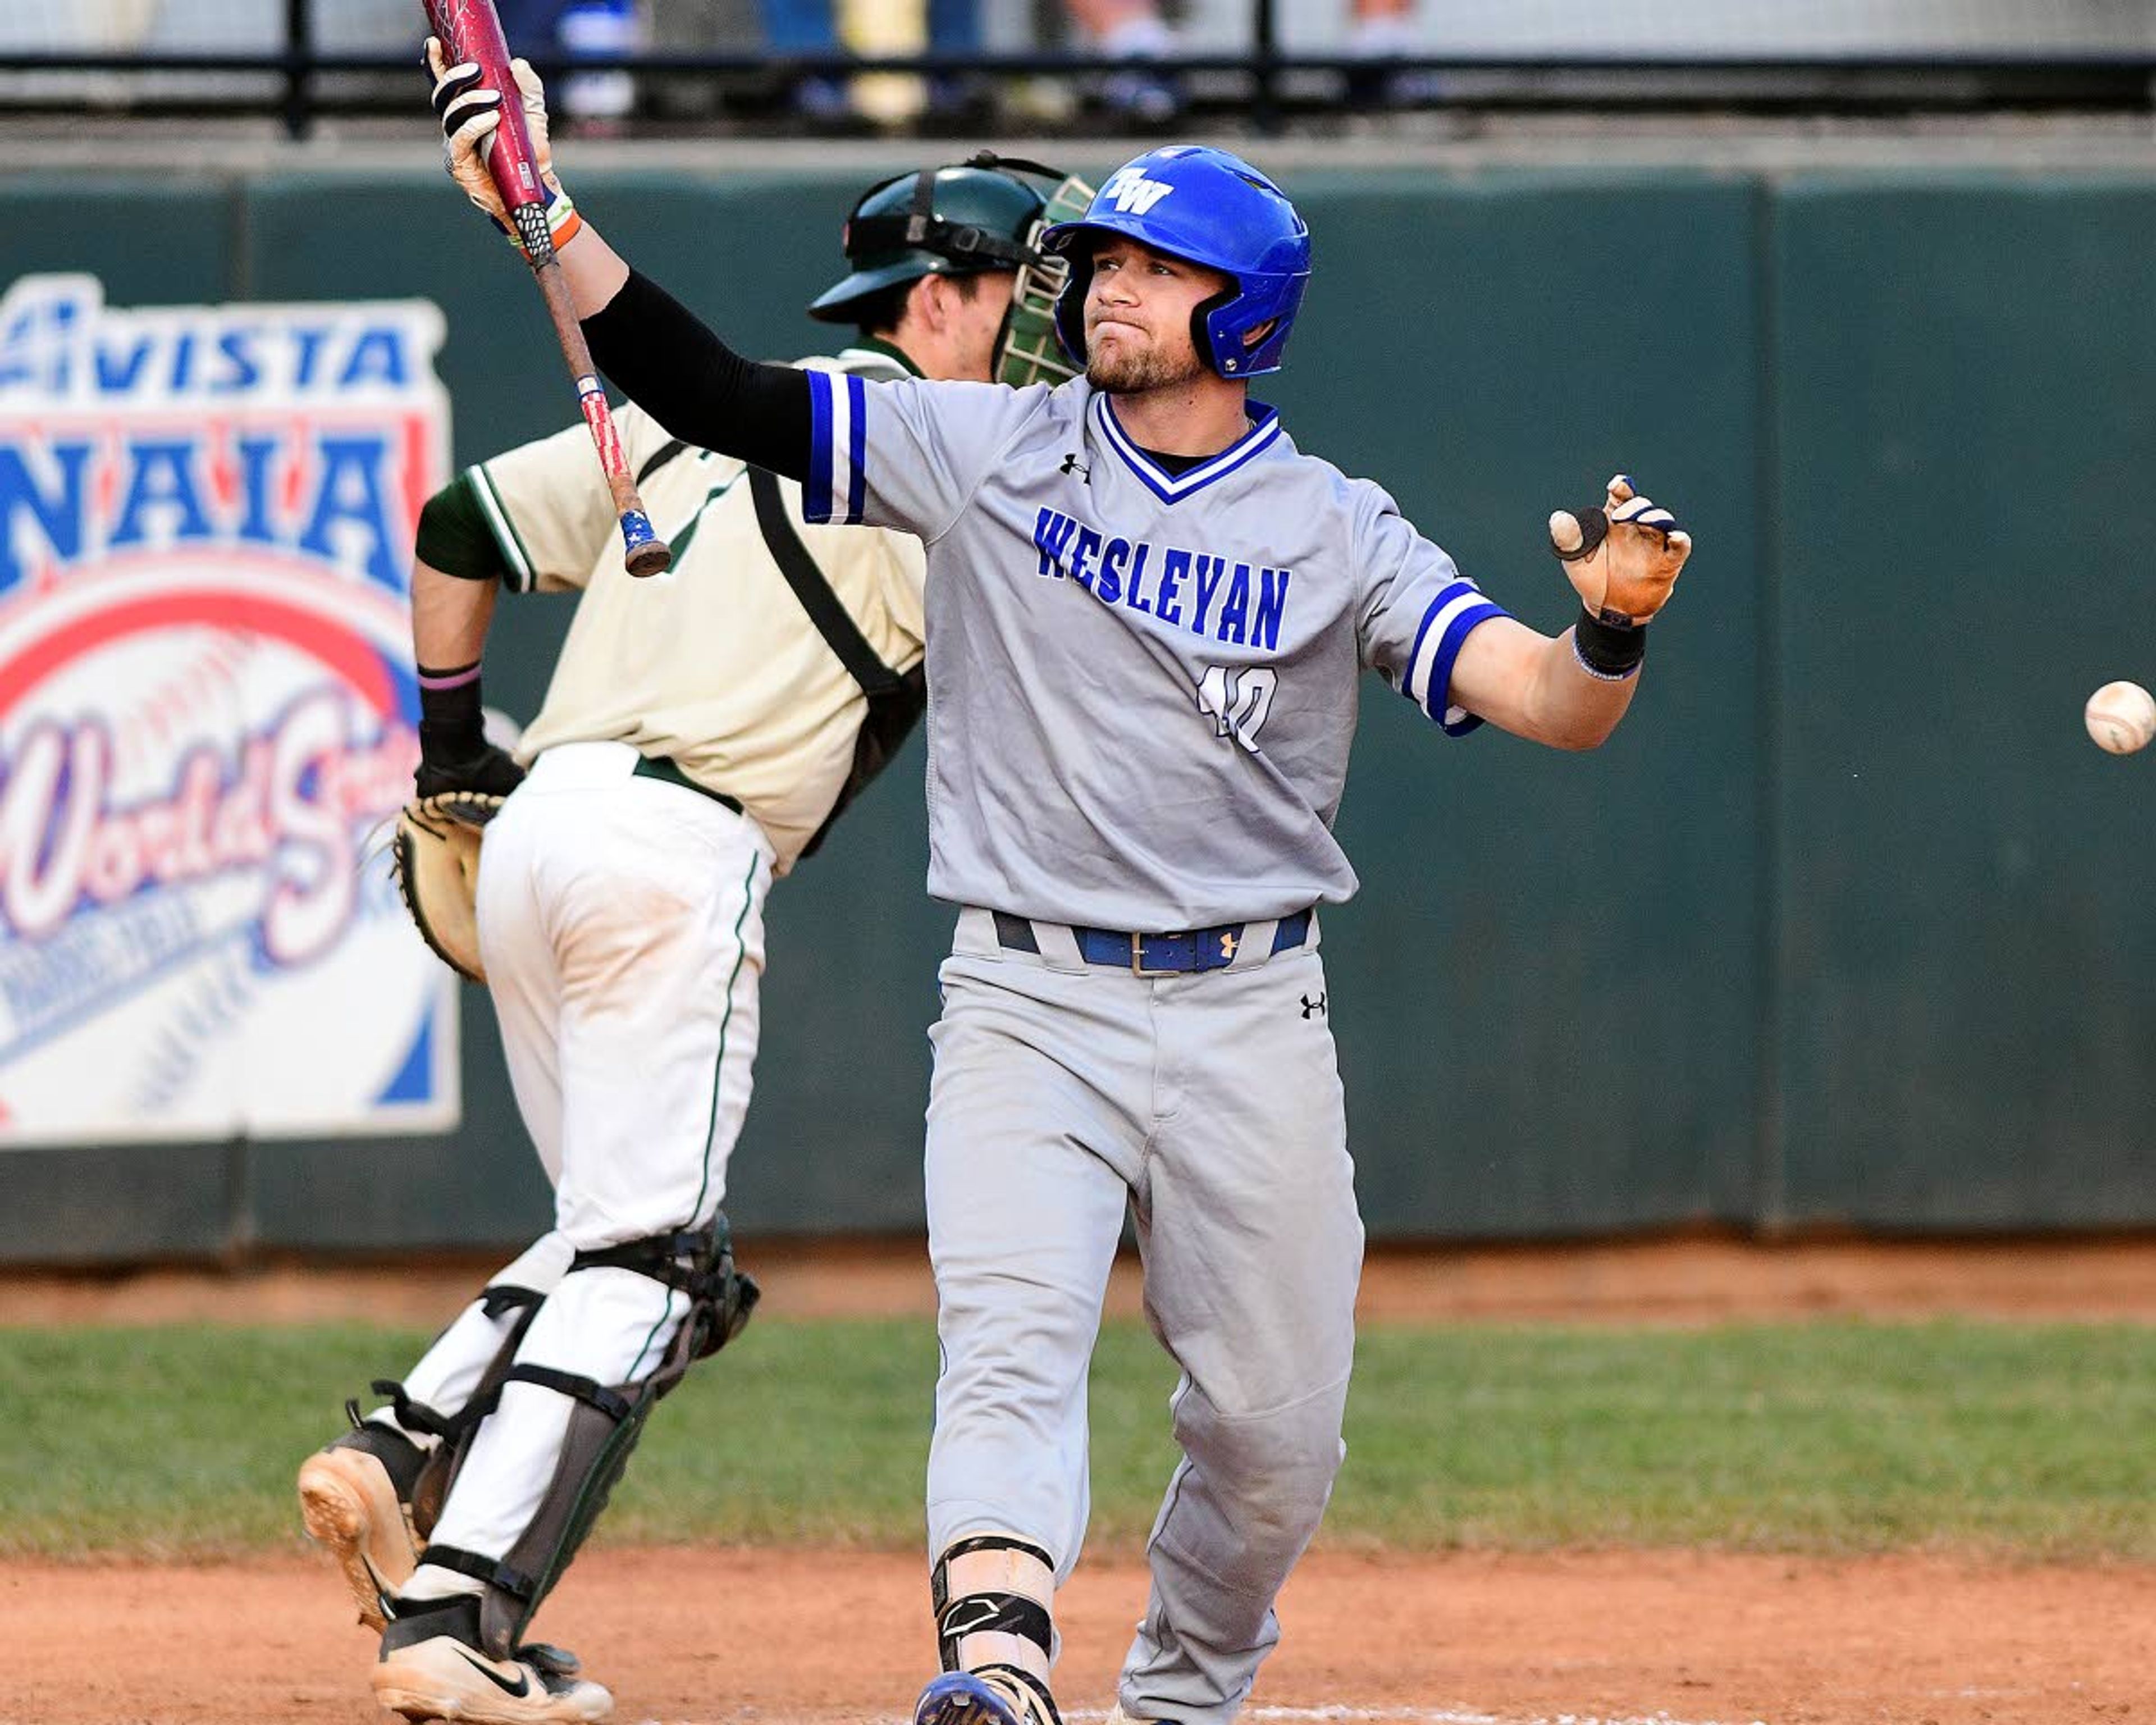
(957, 220)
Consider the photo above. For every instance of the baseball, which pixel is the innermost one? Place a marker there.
(2121, 716)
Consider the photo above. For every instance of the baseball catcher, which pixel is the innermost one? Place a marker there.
(699, 737)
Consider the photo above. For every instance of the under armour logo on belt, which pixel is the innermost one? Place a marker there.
(1227, 943)
(1071, 464)
(1313, 1008)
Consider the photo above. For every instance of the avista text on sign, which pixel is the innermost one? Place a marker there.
(264, 427)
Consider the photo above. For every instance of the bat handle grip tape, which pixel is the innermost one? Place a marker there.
(636, 533)
(531, 228)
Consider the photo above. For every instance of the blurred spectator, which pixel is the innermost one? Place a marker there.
(1133, 30)
(576, 30)
(531, 26)
(808, 30)
(1381, 31)
(1122, 29)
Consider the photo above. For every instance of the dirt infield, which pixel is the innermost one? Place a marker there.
(1693, 1278)
(704, 1637)
(709, 1637)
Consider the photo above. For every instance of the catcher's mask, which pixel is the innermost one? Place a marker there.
(1208, 207)
(1029, 351)
(963, 219)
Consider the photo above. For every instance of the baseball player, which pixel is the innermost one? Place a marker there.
(1148, 612)
(701, 731)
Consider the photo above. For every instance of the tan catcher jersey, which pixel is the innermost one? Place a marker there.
(715, 663)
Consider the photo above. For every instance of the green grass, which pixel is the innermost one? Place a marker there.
(2025, 1441)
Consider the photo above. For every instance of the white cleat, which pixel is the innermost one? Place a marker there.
(350, 1508)
(444, 1678)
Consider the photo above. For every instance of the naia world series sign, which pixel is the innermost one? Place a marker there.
(208, 717)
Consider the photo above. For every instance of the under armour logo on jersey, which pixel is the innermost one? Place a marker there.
(1313, 1008)
(1131, 192)
(1071, 464)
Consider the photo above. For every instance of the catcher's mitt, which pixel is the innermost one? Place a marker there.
(434, 857)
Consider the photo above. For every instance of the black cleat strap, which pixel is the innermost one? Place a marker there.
(480, 1568)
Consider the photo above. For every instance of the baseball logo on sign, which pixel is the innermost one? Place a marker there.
(206, 712)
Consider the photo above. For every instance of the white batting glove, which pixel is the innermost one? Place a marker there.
(1623, 557)
(470, 113)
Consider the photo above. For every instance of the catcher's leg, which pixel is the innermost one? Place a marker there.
(624, 1325)
(436, 1408)
(609, 906)
(370, 1497)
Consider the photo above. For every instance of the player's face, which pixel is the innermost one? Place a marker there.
(1137, 317)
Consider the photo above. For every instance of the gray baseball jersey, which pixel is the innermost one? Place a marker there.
(1144, 679)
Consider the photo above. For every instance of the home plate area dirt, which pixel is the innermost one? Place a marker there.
(702, 1636)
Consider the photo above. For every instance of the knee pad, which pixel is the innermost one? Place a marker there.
(605, 1421)
(698, 1263)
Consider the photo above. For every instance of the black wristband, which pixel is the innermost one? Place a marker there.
(452, 727)
(1609, 650)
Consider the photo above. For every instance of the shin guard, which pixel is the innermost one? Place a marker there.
(604, 1424)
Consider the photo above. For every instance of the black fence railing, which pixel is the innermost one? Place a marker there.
(1266, 88)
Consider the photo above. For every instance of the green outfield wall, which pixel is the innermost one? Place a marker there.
(1849, 926)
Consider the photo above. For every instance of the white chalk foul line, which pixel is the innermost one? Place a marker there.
(1453, 1716)
(1343, 1715)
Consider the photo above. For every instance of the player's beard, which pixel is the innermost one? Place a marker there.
(1136, 371)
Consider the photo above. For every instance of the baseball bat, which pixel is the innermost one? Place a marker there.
(470, 30)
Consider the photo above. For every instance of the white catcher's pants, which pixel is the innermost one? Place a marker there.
(621, 923)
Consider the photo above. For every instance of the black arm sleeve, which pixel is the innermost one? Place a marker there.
(665, 360)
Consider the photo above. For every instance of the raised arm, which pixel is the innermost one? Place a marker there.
(652, 348)
(1570, 690)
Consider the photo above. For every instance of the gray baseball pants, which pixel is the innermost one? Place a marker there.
(1211, 1106)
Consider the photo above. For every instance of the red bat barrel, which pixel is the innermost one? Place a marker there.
(470, 30)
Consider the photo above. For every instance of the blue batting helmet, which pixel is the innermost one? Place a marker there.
(1207, 206)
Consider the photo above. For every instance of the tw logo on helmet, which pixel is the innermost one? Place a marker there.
(1131, 192)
